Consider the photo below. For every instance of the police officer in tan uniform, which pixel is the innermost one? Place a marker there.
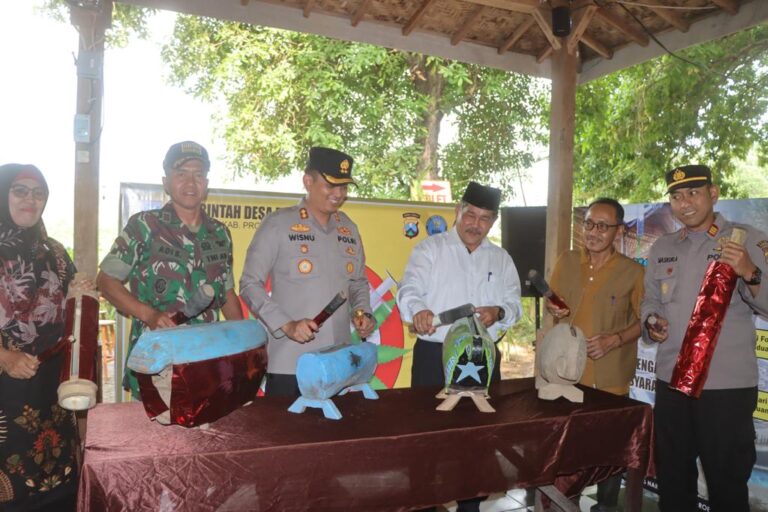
(717, 427)
(309, 253)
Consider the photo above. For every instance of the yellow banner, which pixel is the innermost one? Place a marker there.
(389, 230)
(761, 343)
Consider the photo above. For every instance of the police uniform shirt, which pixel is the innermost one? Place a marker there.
(442, 274)
(676, 266)
(307, 265)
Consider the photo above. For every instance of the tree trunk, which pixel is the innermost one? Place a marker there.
(429, 82)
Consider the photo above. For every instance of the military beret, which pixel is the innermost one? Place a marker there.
(688, 176)
(183, 152)
(333, 165)
(487, 198)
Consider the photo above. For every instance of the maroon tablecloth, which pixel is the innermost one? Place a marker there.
(394, 453)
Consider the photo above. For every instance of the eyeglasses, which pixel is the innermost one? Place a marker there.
(602, 227)
(22, 192)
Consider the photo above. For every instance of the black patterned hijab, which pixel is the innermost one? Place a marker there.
(35, 272)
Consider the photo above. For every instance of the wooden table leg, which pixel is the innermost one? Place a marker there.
(633, 494)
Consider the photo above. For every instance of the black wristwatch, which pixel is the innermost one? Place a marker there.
(757, 277)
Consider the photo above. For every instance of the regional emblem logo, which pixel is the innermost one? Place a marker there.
(436, 224)
(411, 224)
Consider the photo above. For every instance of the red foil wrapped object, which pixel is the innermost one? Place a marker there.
(204, 391)
(700, 338)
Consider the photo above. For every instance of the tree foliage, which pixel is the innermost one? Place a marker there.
(127, 20)
(633, 125)
(282, 92)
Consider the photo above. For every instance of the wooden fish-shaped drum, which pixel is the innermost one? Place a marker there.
(331, 371)
(196, 374)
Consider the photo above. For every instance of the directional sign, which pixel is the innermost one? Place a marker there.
(436, 191)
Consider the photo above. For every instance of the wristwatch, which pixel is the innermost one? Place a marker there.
(757, 277)
(501, 314)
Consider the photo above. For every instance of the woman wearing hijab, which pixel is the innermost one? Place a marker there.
(38, 439)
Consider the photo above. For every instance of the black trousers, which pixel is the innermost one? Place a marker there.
(717, 428)
(279, 384)
(427, 370)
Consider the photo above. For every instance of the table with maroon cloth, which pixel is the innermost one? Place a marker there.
(394, 453)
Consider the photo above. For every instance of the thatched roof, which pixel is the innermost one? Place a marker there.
(509, 34)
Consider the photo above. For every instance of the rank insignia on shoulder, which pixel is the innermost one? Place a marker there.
(337, 217)
(304, 248)
(343, 230)
(300, 228)
(713, 229)
(763, 245)
(350, 268)
(303, 213)
(350, 250)
(305, 266)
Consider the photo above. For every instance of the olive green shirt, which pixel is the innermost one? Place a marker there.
(602, 301)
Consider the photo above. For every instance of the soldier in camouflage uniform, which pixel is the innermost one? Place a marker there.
(167, 254)
(310, 252)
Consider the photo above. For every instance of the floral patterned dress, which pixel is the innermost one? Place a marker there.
(38, 439)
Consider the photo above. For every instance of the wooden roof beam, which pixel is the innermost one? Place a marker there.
(544, 55)
(580, 23)
(729, 6)
(596, 45)
(414, 21)
(516, 35)
(523, 6)
(542, 17)
(360, 12)
(470, 20)
(624, 26)
(668, 15)
(308, 7)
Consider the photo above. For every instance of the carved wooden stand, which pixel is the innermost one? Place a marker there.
(451, 397)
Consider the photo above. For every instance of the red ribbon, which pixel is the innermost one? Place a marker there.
(701, 336)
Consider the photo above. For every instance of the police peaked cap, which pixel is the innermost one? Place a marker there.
(688, 176)
(333, 165)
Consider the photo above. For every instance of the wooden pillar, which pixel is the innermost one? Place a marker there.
(91, 23)
(561, 124)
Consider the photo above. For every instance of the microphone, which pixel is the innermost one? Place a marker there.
(198, 303)
(330, 309)
(543, 288)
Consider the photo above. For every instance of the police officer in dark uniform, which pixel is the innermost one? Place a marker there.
(309, 253)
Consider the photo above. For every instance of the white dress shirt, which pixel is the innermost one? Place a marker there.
(442, 274)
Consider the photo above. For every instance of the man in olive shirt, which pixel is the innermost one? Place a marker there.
(309, 252)
(603, 290)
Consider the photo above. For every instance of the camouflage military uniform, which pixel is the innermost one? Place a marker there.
(165, 262)
(308, 264)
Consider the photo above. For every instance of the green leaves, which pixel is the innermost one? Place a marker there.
(634, 125)
(283, 92)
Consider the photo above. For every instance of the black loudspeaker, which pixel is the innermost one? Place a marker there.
(523, 235)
